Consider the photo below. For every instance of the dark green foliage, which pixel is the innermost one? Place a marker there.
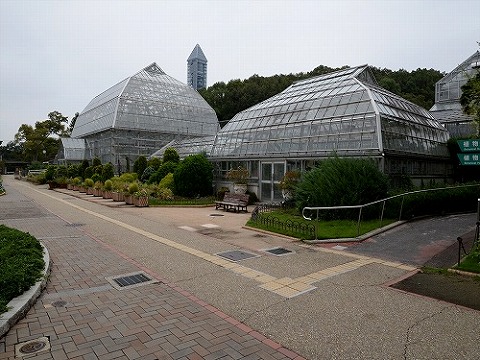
(171, 154)
(193, 176)
(81, 170)
(96, 177)
(163, 170)
(140, 165)
(342, 182)
(252, 198)
(155, 163)
(149, 171)
(62, 171)
(108, 171)
(88, 172)
(50, 172)
(72, 171)
(21, 263)
(96, 161)
(439, 202)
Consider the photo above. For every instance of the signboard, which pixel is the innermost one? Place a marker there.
(469, 158)
(469, 145)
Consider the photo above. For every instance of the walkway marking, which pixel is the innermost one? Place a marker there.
(285, 287)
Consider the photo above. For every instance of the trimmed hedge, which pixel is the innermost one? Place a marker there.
(21, 263)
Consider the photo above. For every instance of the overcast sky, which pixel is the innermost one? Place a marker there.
(58, 55)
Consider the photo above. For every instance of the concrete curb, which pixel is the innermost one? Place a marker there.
(19, 306)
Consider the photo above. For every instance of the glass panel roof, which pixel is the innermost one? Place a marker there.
(341, 112)
(188, 146)
(149, 100)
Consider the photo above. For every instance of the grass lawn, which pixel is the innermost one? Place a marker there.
(471, 262)
(333, 229)
(21, 263)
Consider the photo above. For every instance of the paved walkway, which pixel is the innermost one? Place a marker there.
(313, 303)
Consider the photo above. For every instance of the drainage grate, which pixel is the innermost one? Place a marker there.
(74, 225)
(130, 280)
(237, 255)
(32, 347)
(278, 251)
(217, 215)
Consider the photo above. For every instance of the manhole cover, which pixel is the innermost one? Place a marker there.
(237, 255)
(278, 251)
(74, 225)
(59, 303)
(130, 280)
(217, 215)
(32, 347)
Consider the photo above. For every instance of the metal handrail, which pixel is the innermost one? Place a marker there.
(360, 207)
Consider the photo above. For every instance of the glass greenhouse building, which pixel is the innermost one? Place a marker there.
(448, 90)
(138, 116)
(344, 113)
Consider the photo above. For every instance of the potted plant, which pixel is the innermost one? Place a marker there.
(117, 191)
(132, 189)
(97, 188)
(107, 189)
(239, 177)
(76, 183)
(89, 186)
(140, 198)
(289, 183)
(69, 184)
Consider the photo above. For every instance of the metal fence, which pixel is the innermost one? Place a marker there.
(308, 211)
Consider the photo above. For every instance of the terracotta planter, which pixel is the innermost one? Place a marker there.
(107, 194)
(96, 192)
(128, 199)
(118, 196)
(90, 191)
(69, 187)
(140, 201)
(82, 189)
(76, 188)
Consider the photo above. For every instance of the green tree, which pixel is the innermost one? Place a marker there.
(171, 154)
(193, 176)
(470, 99)
(72, 123)
(140, 165)
(38, 142)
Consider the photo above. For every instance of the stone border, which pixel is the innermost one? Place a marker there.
(19, 306)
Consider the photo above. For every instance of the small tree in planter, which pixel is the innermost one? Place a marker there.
(140, 198)
(89, 186)
(132, 189)
(97, 188)
(107, 189)
(76, 183)
(239, 177)
(117, 191)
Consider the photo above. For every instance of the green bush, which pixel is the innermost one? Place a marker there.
(155, 163)
(96, 177)
(167, 182)
(72, 171)
(163, 170)
(140, 165)
(438, 202)
(82, 167)
(96, 161)
(21, 263)
(107, 171)
(88, 172)
(89, 183)
(50, 172)
(128, 177)
(133, 188)
(171, 154)
(108, 185)
(147, 173)
(341, 182)
(62, 171)
(193, 176)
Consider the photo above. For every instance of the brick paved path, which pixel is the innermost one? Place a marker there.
(85, 317)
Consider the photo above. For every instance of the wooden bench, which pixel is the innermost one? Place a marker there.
(235, 202)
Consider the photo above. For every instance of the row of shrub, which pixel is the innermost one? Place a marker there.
(190, 177)
(21, 263)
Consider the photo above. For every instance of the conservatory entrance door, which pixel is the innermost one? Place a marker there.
(272, 173)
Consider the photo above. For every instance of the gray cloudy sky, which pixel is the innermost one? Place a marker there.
(58, 55)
